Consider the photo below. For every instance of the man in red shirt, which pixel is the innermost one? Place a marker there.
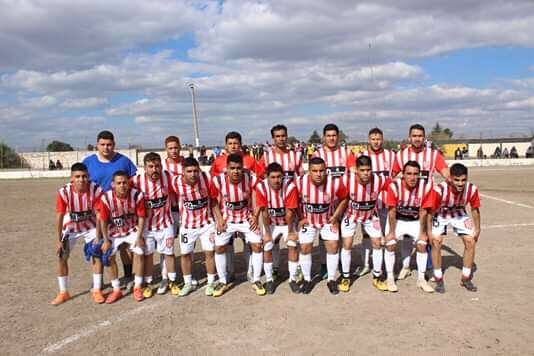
(122, 219)
(196, 221)
(278, 200)
(323, 200)
(449, 207)
(429, 159)
(409, 198)
(232, 192)
(159, 233)
(76, 206)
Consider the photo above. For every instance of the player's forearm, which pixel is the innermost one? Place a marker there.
(59, 226)
(444, 172)
(290, 219)
(392, 218)
(423, 215)
(216, 211)
(140, 227)
(429, 219)
(340, 209)
(476, 218)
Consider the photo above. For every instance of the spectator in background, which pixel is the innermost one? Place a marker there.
(465, 153)
(530, 152)
(480, 153)
(458, 154)
(51, 165)
(217, 151)
(513, 153)
(59, 165)
(505, 153)
(497, 153)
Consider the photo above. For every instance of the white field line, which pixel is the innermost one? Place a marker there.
(507, 201)
(505, 226)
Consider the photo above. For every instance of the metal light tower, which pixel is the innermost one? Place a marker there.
(195, 115)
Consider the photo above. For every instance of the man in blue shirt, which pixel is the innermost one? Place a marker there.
(106, 161)
(101, 166)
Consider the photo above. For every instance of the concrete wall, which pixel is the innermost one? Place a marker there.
(489, 148)
(39, 160)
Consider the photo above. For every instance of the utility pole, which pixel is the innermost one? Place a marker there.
(195, 115)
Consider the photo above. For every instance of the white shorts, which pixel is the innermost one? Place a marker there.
(307, 233)
(160, 240)
(371, 227)
(188, 237)
(406, 228)
(279, 233)
(461, 225)
(130, 240)
(73, 237)
(250, 236)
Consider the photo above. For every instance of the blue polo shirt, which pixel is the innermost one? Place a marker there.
(102, 172)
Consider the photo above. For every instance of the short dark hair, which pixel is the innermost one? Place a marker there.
(411, 164)
(233, 134)
(234, 157)
(316, 160)
(191, 161)
(105, 135)
(330, 127)
(274, 167)
(278, 128)
(458, 169)
(374, 131)
(364, 161)
(416, 127)
(78, 167)
(170, 139)
(151, 157)
(120, 173)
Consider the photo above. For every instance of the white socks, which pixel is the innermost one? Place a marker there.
(345, 262)
(97, 281)
(332, 261)
(421, 258)
(377, 261)
(138, 281)
(389, 259)
(116, 284)
(187, 279)
(268, 268)
(466, 272)
(220, 265)
(172, 276)
(438, 273)
(63, 282)
(211, 278)
(292, 267)
(305, 265)
(257, 264)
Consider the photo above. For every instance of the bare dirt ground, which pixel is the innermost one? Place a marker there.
(498, 319)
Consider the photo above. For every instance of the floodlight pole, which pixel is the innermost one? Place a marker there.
(195, 115)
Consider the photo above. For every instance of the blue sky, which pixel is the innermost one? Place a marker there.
(125, 65)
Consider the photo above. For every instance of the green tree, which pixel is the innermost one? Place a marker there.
(440, 134)
(9, 158)
(58, 146)
(314, 138)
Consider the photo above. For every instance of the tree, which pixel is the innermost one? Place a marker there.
(90, 147)
(440, 134)
(314, 138)
(9, 158)
(58, 146)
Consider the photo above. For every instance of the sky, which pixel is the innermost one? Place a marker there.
(70, 69)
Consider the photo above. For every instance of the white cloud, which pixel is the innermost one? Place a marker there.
(84, 103)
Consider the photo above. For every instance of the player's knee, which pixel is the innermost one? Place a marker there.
(376, 243)
(292, 243)
(436, 242)
(469, 242)
(268, 246)
(391, 245)
(220, 250)
(255, 247)
(421, 245)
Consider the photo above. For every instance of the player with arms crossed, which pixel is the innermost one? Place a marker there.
(159, 233)
(122, 219)
(232, 192)
(196, 221)
(363, 189)
(337, 161)
(449, 207)
(382, 164)
(319, 194)
(409, 198)
(291, 162)
(76, 220)
(278, 200)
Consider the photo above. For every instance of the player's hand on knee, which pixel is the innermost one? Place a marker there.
(59, 249)
(221, 227)
(476, 235)
(106, 245)
(302, 223)
(253, 222)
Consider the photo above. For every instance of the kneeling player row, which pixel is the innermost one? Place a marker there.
(137, 214)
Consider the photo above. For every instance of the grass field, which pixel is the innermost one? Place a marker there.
(498, 319)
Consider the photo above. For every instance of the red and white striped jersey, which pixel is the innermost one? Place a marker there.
(409, 201)
(122, 214)
(193, 201)
(336, 161)
(174, 167)
(158, 195)
(78, 208)
(235, 200)
(276, 201)
(291, 162)
(447, 202)
(319, 202)
(363, 198)
(382, 164)
(429, 159)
